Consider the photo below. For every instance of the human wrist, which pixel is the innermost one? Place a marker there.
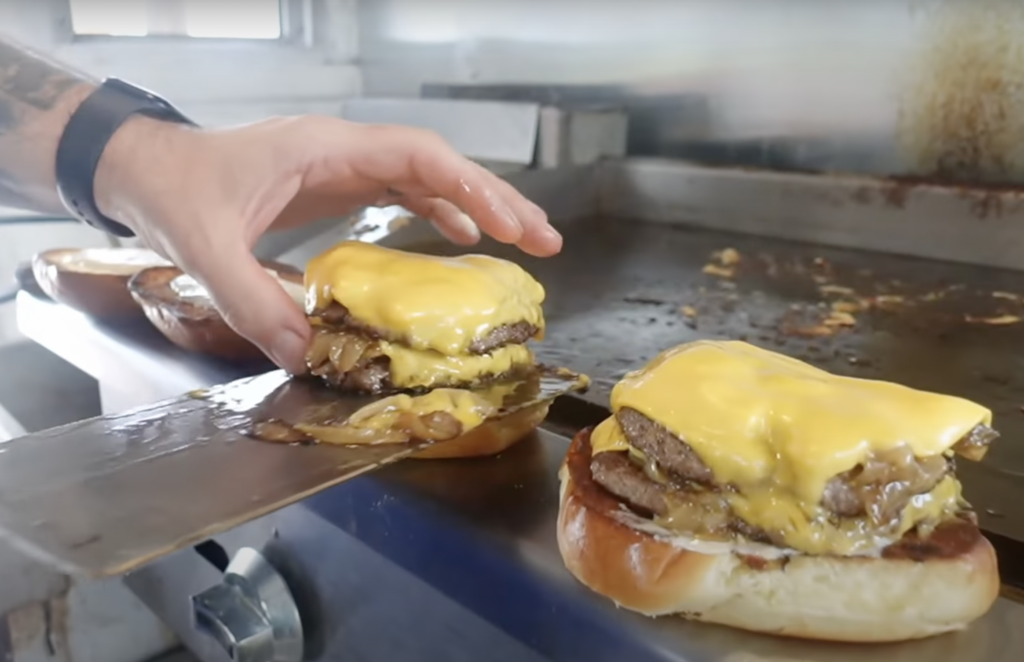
(139, 148)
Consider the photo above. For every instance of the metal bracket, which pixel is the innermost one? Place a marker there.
(251, 613)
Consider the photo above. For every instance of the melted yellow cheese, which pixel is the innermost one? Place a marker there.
(777, 430)
(776, 511)
(753, 415)
(411, 368)
(428, 302)
(381, 421)
(608, 436)
(469, 408)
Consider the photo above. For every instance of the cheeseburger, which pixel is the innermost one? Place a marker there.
(444, 338)
(738, 486)
(387, 321)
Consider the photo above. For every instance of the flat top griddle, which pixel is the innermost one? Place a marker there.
(617, 296)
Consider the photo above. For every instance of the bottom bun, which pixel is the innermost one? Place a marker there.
(946, 585)
(490, 438)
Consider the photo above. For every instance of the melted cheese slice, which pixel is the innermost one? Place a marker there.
(608, 436)
(778, 430)
(775, 510)
(380, 422)
(751, 414)
(411, 368)
(428, 302)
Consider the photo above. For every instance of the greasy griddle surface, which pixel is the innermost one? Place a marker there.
(618, 291)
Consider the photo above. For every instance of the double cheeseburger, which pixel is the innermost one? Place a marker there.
(738, 486)
(444, 337)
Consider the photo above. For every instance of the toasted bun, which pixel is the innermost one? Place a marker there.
(865, 599)
(93, 280)
(492, 437)
(194, 323)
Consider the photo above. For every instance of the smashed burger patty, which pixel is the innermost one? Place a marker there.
(388, 320)
(667, 479)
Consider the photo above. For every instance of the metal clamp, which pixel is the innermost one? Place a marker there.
(251, 613)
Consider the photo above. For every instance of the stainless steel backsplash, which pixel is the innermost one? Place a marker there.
(923, 88)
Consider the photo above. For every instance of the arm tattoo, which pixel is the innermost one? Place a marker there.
(30, 81)
(36, 101)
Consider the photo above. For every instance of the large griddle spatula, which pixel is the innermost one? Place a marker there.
(104, 496)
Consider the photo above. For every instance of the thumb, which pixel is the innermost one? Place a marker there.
(256, 306)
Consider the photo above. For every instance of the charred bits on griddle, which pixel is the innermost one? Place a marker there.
(723, 263)
(844, 296)
(689, 316)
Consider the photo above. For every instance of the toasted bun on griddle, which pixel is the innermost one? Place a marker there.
(387, 320)
(915, 589)
(93, 280)
(826, 506)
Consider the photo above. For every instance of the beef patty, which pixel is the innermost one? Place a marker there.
(664, 447)
(678, 506)
(337, 315)
(351, 361)
(879, 489)
(950, 539)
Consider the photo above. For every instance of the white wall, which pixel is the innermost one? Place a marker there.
(216, 83)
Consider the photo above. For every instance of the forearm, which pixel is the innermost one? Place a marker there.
(37, 98)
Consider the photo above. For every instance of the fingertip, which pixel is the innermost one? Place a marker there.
(544, 241)
(553, 239)
(536, 232)
(288, 350)
(256, 306)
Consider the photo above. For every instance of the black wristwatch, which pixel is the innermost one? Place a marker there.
(86, 136)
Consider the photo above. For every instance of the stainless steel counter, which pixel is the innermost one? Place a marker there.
(133, 359)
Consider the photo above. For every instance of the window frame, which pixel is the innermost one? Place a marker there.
(224, 81)
(296, 30)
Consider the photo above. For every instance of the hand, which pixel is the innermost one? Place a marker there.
(202, 198)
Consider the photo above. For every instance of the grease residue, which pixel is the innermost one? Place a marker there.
(961, 115)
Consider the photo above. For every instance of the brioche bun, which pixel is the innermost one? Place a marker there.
(93, 281)
(948, 581)
(491, 437)
(193, 323)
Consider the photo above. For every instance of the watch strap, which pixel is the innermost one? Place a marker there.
(87, 134)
